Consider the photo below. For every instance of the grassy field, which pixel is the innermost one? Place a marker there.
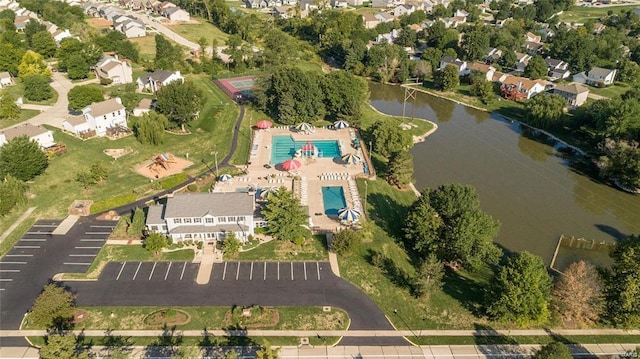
(581, 14)
(203, 29)
(615, 90)
(209, 343)
(56, 188)
(19, 232)
(314, 249)
(128, 253)
(146, 46)
(418, 127)
(24, 115)
(17, 91)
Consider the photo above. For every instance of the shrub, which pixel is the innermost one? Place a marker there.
(192, 188)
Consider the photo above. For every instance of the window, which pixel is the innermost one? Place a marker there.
(231, 219)
(105, 117)
(188, 236)
(222, 219)
(208, 220)
(177, 220)
(240, 219)
(187, 220)
(154, 228)
(197, 220)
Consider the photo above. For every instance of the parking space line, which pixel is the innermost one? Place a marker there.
(10, 270)
(318, 269)
(91, 240)
(39, 232)
(77, 264)
(305, 270)
(278, 270)
(251, 273)
(33, 240)
(1, 289)
(87, 247)
(152, 269)
(291, 270)
(26, 247)
(264, 276)
(97, 232)
(18, 255)
(224, 271)
(44, 225)
(121, 269)
(13, 262)
(167, 274)
(101, 227)
(82, 255)
(238, 271)
(6, 280)
(134, 276)
(183, 268)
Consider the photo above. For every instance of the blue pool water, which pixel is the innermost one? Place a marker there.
(333, 199)
(284, 148)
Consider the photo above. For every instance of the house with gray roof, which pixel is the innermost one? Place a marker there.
(155, 80)
(41, 135)
(100, 117)
(575, 94)
(205, 217)
(597, 76)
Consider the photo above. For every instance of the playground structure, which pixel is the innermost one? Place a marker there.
(163, 165)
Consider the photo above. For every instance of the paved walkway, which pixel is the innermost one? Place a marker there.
(207, 258)
(333, 258)
(21, 219)
(66, 225)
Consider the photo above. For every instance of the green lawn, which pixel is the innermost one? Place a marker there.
(503, 339)
(612, 91)
(24, 115)
(581, 14)
(418, 127)
(17, 91)
(146, 46)
(200, 341)
(128, 253)
(203, 29)
(19, 232)
(314, 249)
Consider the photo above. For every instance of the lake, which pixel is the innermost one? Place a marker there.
(527, 184)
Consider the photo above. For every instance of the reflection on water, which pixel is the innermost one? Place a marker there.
(523, 180)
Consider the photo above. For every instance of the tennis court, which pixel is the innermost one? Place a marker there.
(238, 88)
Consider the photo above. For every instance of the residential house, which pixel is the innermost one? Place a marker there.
(404, 9)
(546, 33)
(144, 106)
(492, 55)
(384, 17)
(453, 22)
(523, 60)
(5, 79)
(339, 4)
(370, 21)
(597, 76)
(155, 80)
(115, 70)
(59, 35)
(388, 37)
(598, 28)
(204, 217)
(41, 135)
(428, 6)
(533, 48)
(531, 37)
(499, 77)
(282, 12)
(129, 26)
(20, 22)
(520, 88)
(100, 117)
(487, 70)
(355, 2)
(256, 4)
(461, 13)
(462, 66)
(557, 69)
(382, 3)
(575, 94)
(176, 14)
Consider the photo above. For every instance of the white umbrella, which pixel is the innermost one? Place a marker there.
(225, 177)
(351, 159)
(349, 215)
(304, 127)
(266, 192)
(340, 124)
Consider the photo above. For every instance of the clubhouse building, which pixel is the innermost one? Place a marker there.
(206, 217)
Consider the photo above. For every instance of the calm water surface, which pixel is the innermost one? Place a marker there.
(526, 184)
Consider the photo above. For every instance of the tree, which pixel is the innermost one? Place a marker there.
(508, 59)
(285, 216)
(346, 95)
(622, 284)
(346, 241)
(536, 68)
(400, 168)
(9, 110)
(10, 56)
(154, 242)
(77, 67)
(432, 55)
(475, 44)
(428, 277)
(553, 350)
(266, 352)
(22, 158)
(277, 47)
(231, 244)
(483, 89)
(12, 194)
(389, 138)
(137, 222)
(37, 88)
(520, 291)
(544, 110)
(32, 27)
(577, 295)
(447, 79)
(62, 346)
(53, 308)
(166, 54)
(83, 96)
(149, 129)
(180, 102)
(43, 43)
(32, 63)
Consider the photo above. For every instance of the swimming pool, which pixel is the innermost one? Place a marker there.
(284, 148)
(333, 199)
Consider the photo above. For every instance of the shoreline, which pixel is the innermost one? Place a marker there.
(416, 139)
(555, 138)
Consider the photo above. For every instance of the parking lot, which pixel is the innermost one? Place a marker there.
(149, 271)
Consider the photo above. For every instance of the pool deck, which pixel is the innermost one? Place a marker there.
(314, 174)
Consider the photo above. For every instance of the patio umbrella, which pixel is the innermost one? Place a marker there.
(264, 124)
(225, 177)
(291, 165)
(304, 127)
(309, 149)
(266, 192)
(340, 124)
(349, 215)
(351, 159)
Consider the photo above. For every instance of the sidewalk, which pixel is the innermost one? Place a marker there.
(21, 219)
(66, 225)
(207, 258)
(333, 258)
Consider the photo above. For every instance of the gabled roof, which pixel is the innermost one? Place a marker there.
(478, 66)
(5, 75)
(172, 10)
(214, 204)
(76, 120)
(553, 62)
(155, 215)
(599, 71)
(158, 75)
(145, 104)
(26, 129)
(369, 17)
(524, 83)
(105, 107)
(572, 88)
(452, 61)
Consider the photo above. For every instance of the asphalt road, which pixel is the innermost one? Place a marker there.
(236, 283)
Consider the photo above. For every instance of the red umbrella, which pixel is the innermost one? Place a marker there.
(264, 124)
(308, 147)
(291, 165)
